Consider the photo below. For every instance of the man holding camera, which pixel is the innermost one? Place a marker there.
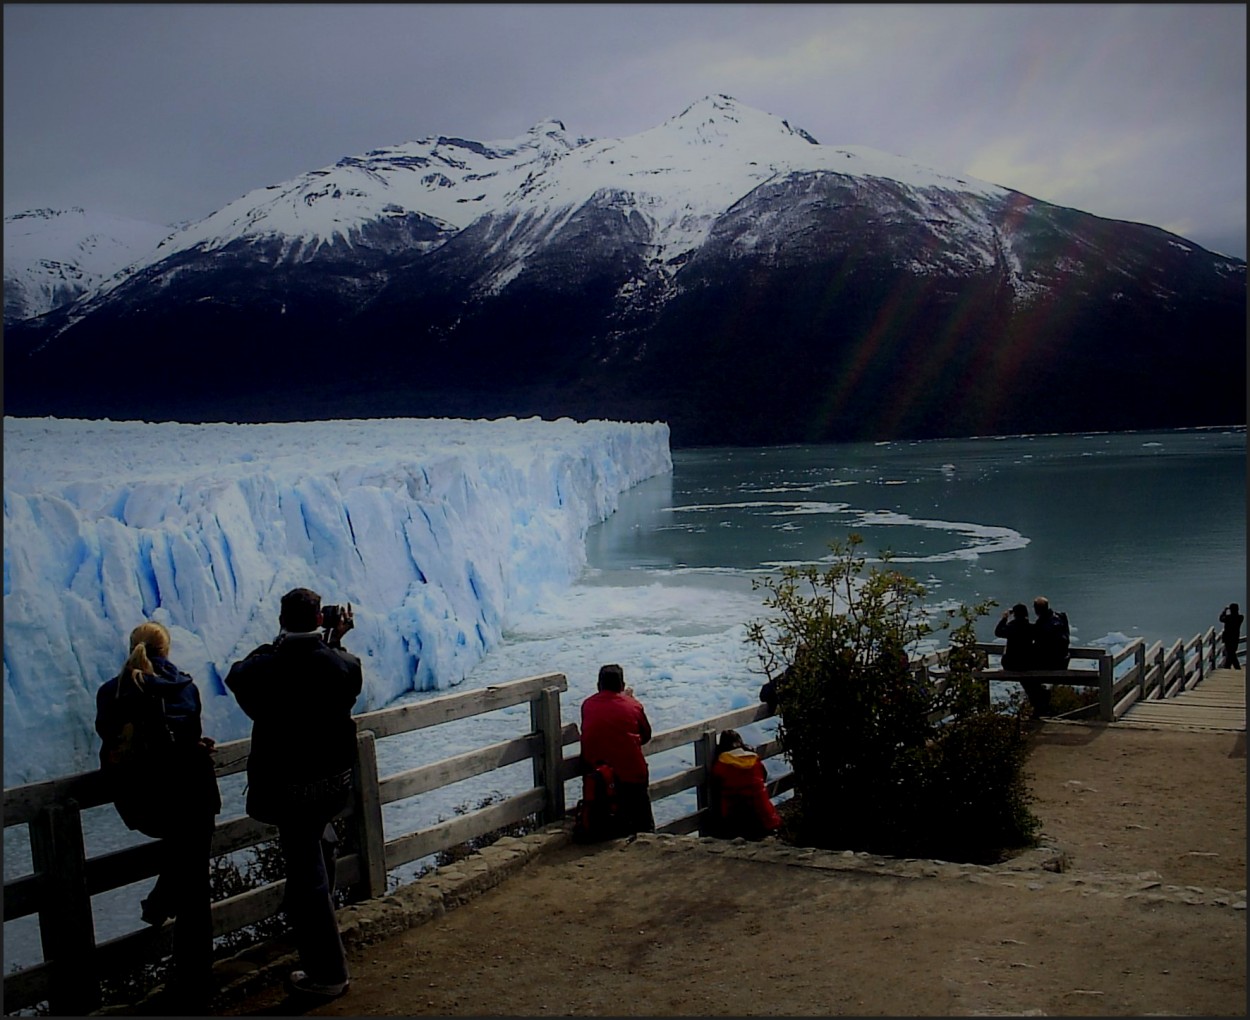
(299, 692)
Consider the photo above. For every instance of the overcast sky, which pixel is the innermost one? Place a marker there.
(166, 112)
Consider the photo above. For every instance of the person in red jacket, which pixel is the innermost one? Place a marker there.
(740, 802)
(614, 728)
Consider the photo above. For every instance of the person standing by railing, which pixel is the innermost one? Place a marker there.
(614, 728)
(158, 767)
(1232, 620)
(299, 692)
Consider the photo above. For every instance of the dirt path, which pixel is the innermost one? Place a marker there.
(1148, 916)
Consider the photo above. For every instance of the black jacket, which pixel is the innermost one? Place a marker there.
(1019, 635)
(299, 693)
(176, 788)
(1050, 640)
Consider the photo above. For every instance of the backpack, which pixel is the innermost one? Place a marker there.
(595, 817)
(1050, 643)
(136, 757)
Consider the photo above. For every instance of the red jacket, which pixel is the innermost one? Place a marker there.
(741, 778)
(614, 728)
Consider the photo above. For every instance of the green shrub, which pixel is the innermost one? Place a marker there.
(885, 760)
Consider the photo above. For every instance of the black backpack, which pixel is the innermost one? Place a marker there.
(1050, 642)
(137, 758)
(595, 817)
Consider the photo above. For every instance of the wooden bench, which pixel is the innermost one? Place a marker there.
(1079, 677)
(1051, 677)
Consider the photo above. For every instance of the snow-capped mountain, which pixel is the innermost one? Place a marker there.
(703, 271)
(679, 178)
(425, 191)
(52, 256)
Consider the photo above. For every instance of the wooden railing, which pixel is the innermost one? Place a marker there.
(64, 879)
(701, 736)
(1155, 672)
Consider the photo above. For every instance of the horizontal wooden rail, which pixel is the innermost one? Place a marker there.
(464, 766)
(387, 722)
(416, 845)
(669, 739)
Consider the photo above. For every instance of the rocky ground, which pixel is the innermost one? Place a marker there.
(1133, 906)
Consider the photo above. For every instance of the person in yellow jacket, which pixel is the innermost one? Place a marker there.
(740, 802)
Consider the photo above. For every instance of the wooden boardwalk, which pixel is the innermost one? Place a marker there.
(1217, 703)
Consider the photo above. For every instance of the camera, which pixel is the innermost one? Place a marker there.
(331, 616)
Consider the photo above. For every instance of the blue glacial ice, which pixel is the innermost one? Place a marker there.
(437, 531)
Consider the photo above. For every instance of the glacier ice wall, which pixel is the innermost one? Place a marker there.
(434, 530)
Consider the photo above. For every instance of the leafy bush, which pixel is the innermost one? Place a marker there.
(979, 797)
(884, 759)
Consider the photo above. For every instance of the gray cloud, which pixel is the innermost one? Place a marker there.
(167, 112)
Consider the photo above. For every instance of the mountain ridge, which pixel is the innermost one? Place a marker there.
(54, 256)
(660, 275)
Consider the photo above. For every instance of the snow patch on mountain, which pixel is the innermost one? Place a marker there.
(682, 176)
(51, 256)
(447, 180)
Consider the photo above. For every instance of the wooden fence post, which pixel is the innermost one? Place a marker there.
(1201, 665)
(1139, 663)
(1161, 660)
(545, 719)
(705, 755)
(1106, 687)
(66, 927)
(370, 833)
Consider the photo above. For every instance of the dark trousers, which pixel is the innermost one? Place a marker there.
(182, 891)
(1039, 696)
(1230, 654)
(634, 814)
(308, 851)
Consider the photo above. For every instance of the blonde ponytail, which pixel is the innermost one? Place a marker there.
(147, 639)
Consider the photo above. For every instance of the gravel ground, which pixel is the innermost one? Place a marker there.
(1133, 906)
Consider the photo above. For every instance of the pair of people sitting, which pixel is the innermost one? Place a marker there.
(739, 801)
(1039, 645)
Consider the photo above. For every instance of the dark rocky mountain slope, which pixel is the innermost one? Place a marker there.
(766, 290)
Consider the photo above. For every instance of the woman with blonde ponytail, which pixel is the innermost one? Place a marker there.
(158, 766)
(145, 636)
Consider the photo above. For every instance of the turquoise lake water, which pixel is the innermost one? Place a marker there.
(1132, 534)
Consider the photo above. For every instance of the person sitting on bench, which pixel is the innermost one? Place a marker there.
(1050, 636)
(1050, 651)
(1018, 632)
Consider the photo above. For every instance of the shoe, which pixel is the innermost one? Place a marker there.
(299, 982)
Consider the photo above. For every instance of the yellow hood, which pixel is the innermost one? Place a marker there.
(739, 758)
